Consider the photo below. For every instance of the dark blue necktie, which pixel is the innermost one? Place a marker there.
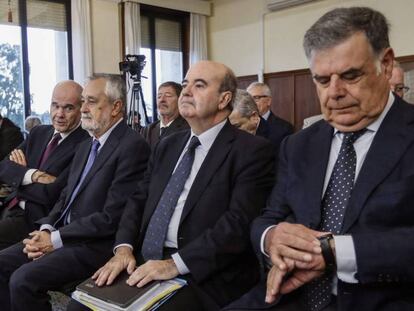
(334, 204)
(152, 247)
(86, 169)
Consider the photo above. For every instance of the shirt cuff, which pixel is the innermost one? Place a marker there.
(123, 244)
(345, 258)
(47, 227)
(27, 178)
(181, 266)
(262, 240)
(56, 239)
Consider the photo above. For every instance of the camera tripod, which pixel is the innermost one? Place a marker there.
(137, 103)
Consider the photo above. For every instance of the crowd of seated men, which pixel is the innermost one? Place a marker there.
(220, 191)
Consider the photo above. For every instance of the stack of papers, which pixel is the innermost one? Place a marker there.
(120, 296)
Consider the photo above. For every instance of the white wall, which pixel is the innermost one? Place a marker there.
(235, 30)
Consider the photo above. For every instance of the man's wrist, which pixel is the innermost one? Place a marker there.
(328, 252)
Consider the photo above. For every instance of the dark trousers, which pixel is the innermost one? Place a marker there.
(24, 283)
(13, 227)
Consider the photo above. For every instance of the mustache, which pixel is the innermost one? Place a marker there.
(86, 116)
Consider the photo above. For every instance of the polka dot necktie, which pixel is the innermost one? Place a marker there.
(334, 203)
(153, 245)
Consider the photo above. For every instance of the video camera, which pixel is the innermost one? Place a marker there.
(133, 64)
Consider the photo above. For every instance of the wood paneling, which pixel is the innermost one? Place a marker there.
(293, 94)
(283, 97)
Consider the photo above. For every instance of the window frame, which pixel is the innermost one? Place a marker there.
(25, 51)
(152, 13)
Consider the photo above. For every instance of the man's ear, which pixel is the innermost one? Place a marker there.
(117, 107)
(225, 98)
(387, 62)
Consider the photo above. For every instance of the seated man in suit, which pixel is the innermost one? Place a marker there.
(10, 136)
(338, 225)
(245, 116)
(77, 236)
(39, 167)
(278, 128)
(192, 215)
(170, 120)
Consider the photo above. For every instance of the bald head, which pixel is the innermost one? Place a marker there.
(208, 92)
(65, 106)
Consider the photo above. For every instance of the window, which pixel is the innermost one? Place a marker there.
(164, 38)
(34, 55)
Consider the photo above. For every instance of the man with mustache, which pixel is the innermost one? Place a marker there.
(170, 120)
(77, 236)
(39, 167)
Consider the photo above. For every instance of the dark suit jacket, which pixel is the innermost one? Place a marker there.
(379, 216)
(41, 198)
(228, 192)
(10, 137)
(114, 176)
(151, 132)
(278, 130)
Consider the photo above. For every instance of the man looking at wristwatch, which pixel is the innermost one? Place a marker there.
(335, 232)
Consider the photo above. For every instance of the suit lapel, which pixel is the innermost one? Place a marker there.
(396, 133)
(77, 169)
(166, 161)
(215, 157)
(43, 145)
(313, 169)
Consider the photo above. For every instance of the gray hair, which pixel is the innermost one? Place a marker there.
(31, 122)
(262, 85)
(229, 83)
(115, 87)
(245, 104)
(339, 24)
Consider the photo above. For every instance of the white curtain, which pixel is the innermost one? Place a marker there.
(81, 40)
(132, 28)
(198, 38)
(132, 18)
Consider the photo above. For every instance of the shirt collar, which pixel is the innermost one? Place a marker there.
(66, 134)
(105, 135)
(374, 126)
(266, 115)
(208, 137)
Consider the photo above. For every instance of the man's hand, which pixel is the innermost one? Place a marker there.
(18, 157)
(303, 273)
(123, 259)
(275, 279)
(293, 241)
(42, 177)
(153, 270)
(38, 245)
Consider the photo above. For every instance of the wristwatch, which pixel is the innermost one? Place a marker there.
(327, 252)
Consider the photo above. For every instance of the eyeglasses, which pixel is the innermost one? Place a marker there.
(401, 88)
(259, 97)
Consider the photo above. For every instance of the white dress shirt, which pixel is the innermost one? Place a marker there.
(55, 234)
(344, 244)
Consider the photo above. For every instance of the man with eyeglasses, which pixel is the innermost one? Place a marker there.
(278, 128)
(170, 120)
(397, 80)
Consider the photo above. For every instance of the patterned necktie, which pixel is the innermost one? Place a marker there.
(49, 149)
(152, 247)
(334, 203)
(86, 169)
(163, 130)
